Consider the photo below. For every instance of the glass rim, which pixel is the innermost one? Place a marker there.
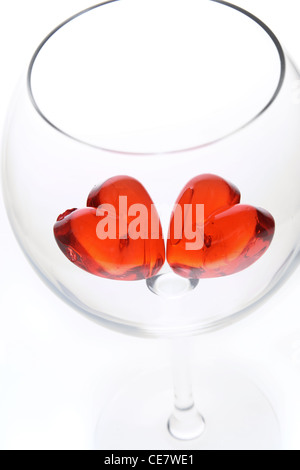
(252, 17)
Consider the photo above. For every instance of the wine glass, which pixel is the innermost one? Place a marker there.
(168, 104)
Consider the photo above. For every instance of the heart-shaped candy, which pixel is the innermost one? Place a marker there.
(119, 235)
(235, 236)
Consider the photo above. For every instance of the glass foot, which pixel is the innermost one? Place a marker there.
(238, 416)
(186, 425)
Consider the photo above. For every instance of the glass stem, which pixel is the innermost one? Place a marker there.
(186, 423)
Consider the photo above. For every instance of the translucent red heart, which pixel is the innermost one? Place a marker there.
(119, 258)
(235, 236)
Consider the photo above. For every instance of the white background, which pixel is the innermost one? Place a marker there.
(56, 368)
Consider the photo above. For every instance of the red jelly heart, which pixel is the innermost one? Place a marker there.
(121, 240)
(214, 192)
(235, 236)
